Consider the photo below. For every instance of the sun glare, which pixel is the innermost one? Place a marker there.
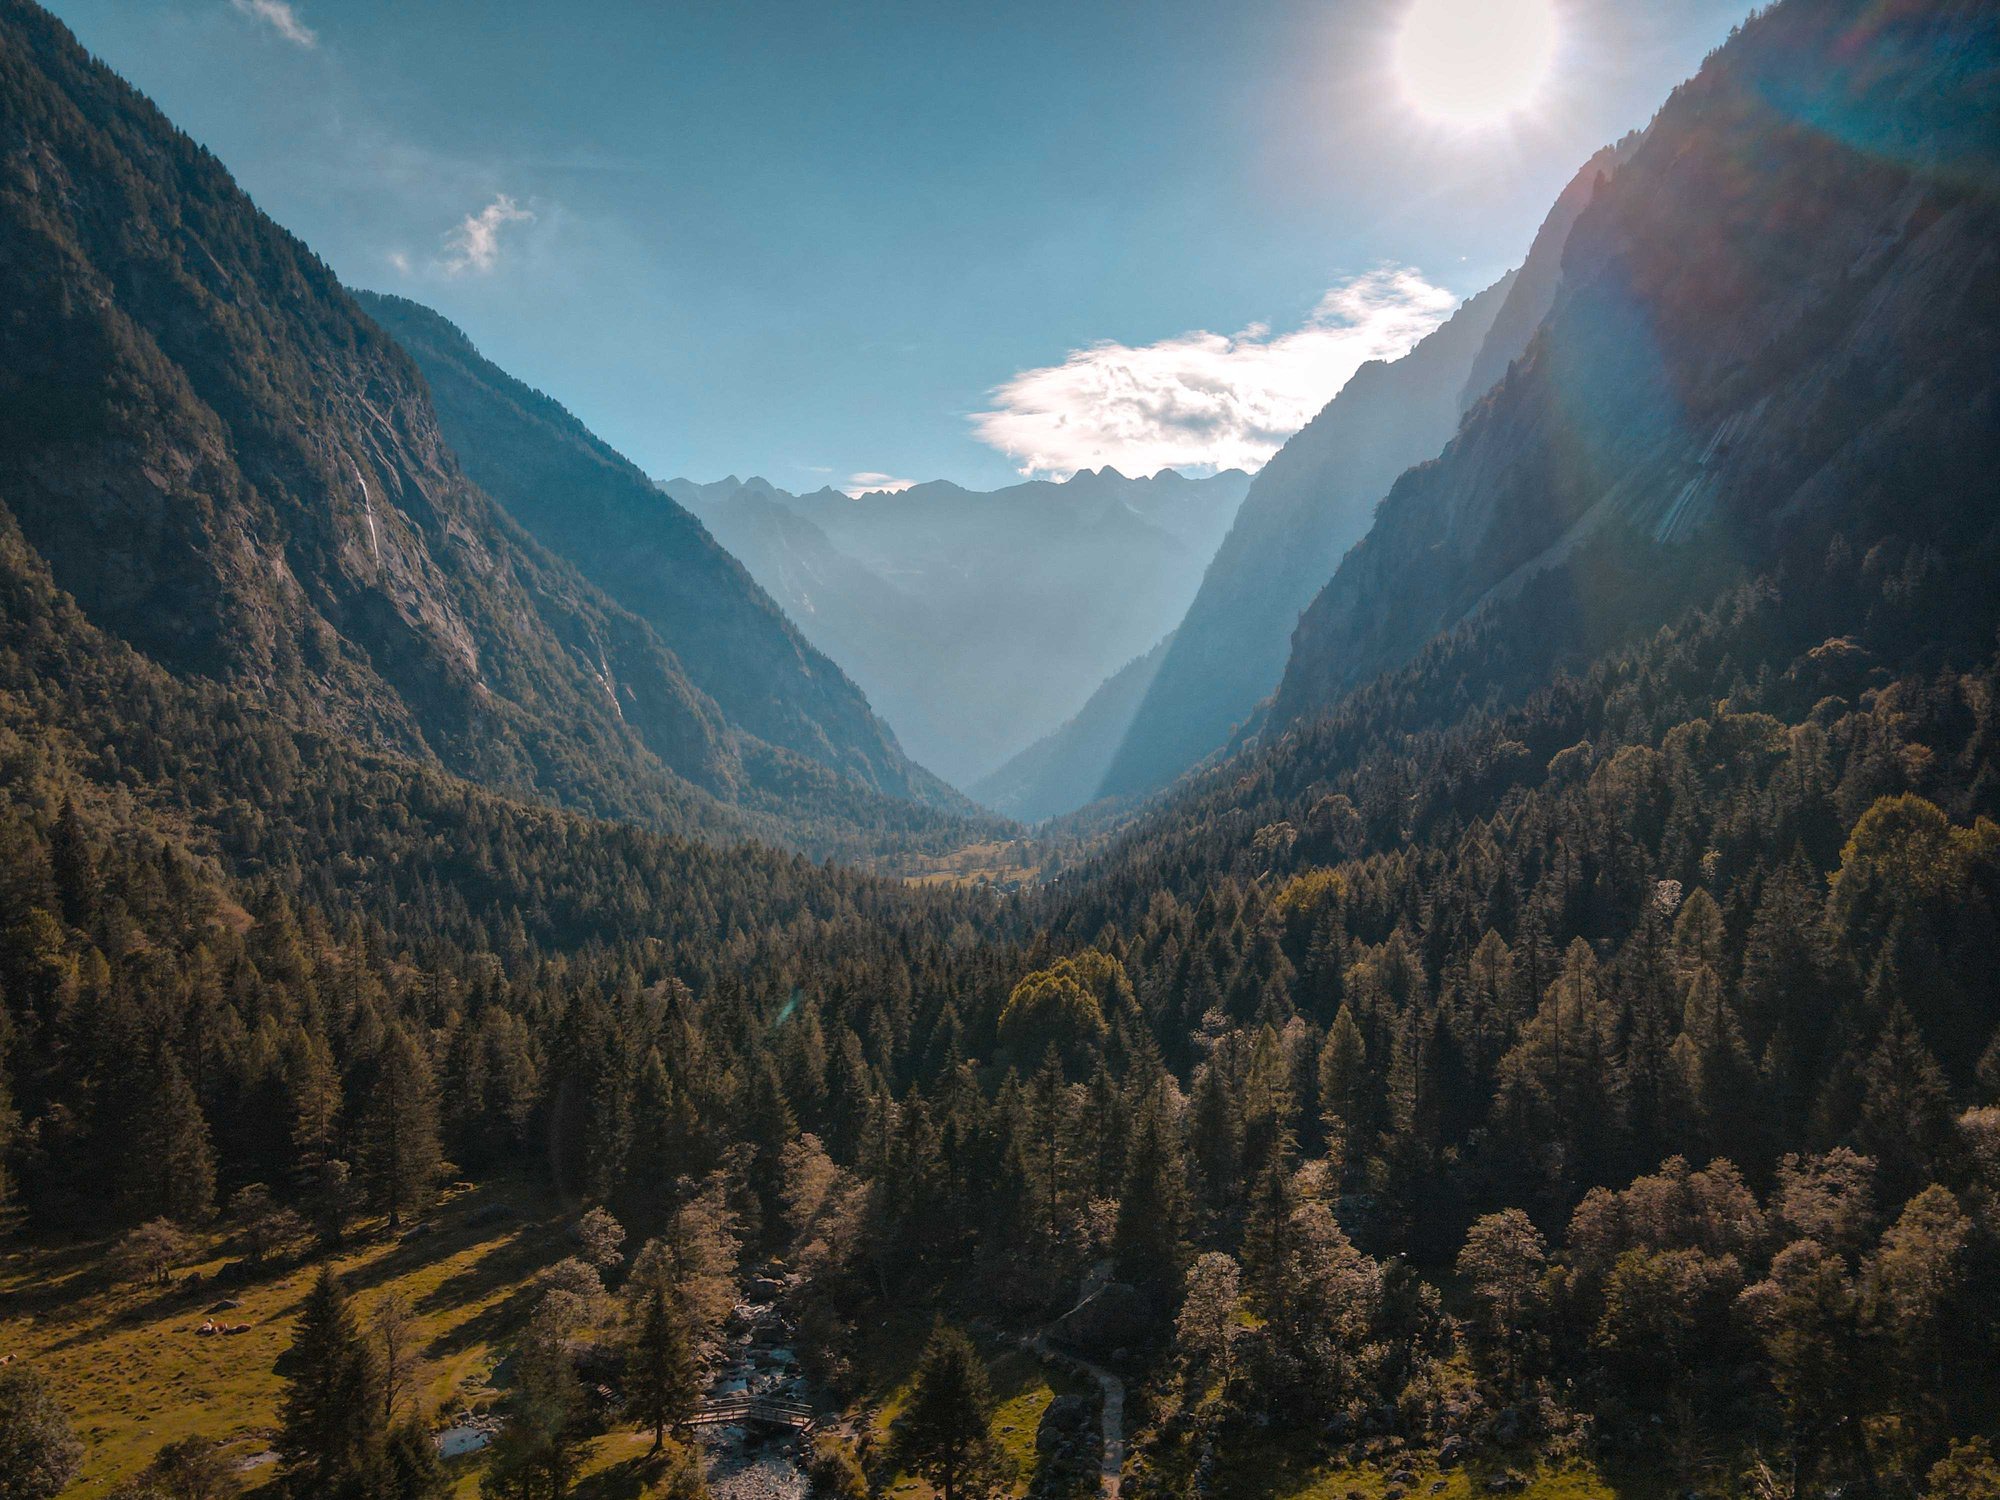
(1475, 62)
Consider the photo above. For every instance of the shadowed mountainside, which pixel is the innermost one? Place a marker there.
(1782, 307)
(587, 503)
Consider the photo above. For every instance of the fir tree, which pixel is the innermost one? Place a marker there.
(176, 1174)
(942, 1433)
(329, 1435)
(401, 1157)
(662, 1385)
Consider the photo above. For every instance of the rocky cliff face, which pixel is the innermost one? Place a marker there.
(586, 502)
(1534, 287)
(1784, 306)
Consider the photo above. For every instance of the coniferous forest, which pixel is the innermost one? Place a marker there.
(1555, 1048)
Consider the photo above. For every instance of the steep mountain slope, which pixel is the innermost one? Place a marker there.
(1304, 509)
(1062, 772)
(1317, 496)
(587, 503)
(1784, 307)
(1535, 285)
(847, 609)
(978, 623)
(230, 466)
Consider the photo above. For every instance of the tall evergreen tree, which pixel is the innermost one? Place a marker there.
(1149, 1239)
(942, 1433)
(402, 1159)
(174, 1175)
(662, 1384)
(329, 1433)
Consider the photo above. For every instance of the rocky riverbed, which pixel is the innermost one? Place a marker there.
(749, 1462)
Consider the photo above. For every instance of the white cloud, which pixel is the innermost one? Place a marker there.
(282, 18)
(475, 244)
(401, 261)
(1205, 401)
(871, 482)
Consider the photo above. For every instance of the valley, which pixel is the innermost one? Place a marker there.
(1464, 963)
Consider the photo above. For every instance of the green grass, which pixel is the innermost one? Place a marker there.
(1286, 1468)
(1022, 1386)
(126, 1364)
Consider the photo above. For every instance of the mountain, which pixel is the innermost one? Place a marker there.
(588, 504)
(978, 622)
(1718, 373)
(1316, 498)
(1061, 772)
(1535, 285)
(228, 464)
(1306, 507)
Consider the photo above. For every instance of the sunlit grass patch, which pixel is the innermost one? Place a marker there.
(127, 1365)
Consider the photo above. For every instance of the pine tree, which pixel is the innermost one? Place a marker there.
(1268, 1224)
(401, 1157)
(1215, 1142)
(329, 1432)
(662, 1385)
(313, 1084)
(942, 1434)
(1906, 1107)
(1149, 1237)
(174, 1175)
(411, 1469)
(1342, 1073)
(535, 1455)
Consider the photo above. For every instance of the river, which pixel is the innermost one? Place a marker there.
(753, 1463)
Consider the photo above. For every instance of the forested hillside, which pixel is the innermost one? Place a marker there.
(1563, 1057)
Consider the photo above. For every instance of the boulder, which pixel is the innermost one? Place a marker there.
(1066, 1417)
(1115, 1316)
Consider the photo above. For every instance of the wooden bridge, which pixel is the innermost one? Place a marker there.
(759, 1411)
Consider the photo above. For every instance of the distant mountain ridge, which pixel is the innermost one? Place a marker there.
(978, 622)
(1062, 771)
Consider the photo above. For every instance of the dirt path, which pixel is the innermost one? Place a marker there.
(1111, 1466)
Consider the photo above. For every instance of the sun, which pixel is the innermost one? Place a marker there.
(1475, 62)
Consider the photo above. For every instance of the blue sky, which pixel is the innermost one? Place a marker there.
(818, 241)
